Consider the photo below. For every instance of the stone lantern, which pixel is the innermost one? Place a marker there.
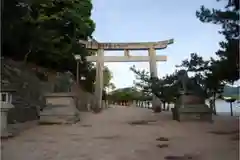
(6, 105)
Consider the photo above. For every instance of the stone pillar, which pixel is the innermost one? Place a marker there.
(5, 106)
(3, 120)
(153, 72)
(99, 78)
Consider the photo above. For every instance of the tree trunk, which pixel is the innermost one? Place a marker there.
(214, 104)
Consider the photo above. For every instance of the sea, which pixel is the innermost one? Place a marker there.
(223, 107)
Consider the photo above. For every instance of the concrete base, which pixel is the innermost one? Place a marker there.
(56, 114)
(61, 109)
(194, 111)
(6, 135)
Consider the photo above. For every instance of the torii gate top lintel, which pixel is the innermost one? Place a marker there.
(126, 46)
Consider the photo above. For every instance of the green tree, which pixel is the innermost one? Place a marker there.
(207, 74)
(125, 94)
(46, 32)
(228, 18)
(90, 80)
(107, 77)
(14, 39)
(111, 86)
(198, 67)
(164, 88)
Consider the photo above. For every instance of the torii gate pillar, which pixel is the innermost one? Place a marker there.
(99, 78)
(154, 73)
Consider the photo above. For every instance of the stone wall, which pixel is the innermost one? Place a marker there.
(28, 96)
(31, 83)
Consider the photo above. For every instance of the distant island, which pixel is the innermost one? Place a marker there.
(230, 91)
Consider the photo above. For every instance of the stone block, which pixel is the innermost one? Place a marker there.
(61, 109)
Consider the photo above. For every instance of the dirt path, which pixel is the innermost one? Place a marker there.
(115, 135)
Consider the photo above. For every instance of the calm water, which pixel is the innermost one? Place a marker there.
(222, 106)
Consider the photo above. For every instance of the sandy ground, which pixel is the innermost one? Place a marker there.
(111, 135)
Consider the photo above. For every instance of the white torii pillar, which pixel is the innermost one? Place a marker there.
(154, 73)
(99, 77)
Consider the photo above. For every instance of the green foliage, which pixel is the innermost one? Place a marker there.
(91, 79)
(206, 77)
(107, 76)
(126, 94)
(111, 86)
(228, 18)
(207, 74)
(194, 64)
(46, 32)
(164, 89)
(211, 74)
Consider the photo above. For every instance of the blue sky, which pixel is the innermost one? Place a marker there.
(154, 20)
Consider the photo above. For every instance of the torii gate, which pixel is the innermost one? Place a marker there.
(152, 58)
